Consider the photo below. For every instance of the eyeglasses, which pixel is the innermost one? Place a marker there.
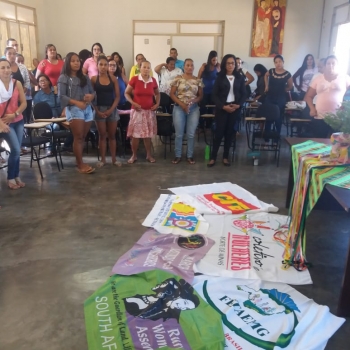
(230, 63)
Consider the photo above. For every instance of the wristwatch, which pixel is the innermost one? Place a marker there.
(17, 114)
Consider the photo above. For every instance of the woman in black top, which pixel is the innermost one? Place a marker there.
(106, 113)
(229, 94)
(277, 82)
(260, 71)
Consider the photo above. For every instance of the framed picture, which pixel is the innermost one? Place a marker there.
(268, 28)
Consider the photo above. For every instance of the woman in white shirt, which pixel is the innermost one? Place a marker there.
(167, 73)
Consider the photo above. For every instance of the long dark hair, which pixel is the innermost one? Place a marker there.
(121, 62)
(261, 69)
(211, 55)
(66, 69)
(84, 55)
(96, 44)
(223, 66)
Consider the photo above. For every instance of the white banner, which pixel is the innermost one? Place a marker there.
(171, 215)
(222, 198)
(265, 315)
(249, 246)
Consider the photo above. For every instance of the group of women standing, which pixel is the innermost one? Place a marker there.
(91, 86)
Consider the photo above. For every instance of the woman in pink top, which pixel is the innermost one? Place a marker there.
(12, 104)
(90, 65)
(51, 65)
(330, 88)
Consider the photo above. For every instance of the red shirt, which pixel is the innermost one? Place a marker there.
(143, 91)
(53, 71)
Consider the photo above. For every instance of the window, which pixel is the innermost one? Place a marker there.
(19, 22)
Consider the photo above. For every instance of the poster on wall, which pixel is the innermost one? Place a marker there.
(268, 28)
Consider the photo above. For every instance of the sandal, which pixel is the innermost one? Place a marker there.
(191, 161)
(151, 160)
(19, 182)
(100, 164)
(88, 170)
(211, 163)
(117, 163)
(176, 160)
(12, 185)
(226, 162)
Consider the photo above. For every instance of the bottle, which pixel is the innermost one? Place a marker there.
(207, 152)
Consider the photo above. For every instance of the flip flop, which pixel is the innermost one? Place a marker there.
(13, 186)
(132, 160)
(191, 161)
(100, 164)
(176, 160)
(151, 160)
(89, 170)
(117, 163)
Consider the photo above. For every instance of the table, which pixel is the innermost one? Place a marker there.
(332, 197)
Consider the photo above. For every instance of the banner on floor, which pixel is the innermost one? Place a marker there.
(175, 254)
(249, 246)
(222, 198)
(171, 214)
(265, 315)
(151, 310)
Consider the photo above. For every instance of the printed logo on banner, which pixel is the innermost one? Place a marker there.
(246, 225)
(229, 201)
(182, 216)
(151, 314)
(265, 302)
(191, 242)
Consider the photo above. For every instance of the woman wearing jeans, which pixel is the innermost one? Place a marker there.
(229, 94)
(12, 104)
(186, 92)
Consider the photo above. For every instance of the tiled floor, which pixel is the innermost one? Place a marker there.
(61, 236)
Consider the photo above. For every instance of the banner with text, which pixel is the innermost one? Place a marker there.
(222, 198)
(175, 254)
(265, 315)
(250, 246)
(151, 310)
(171, 214)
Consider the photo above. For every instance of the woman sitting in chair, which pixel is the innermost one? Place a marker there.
(12, 104)
(47, 94)
(229, 94)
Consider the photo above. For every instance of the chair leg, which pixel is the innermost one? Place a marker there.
(37, 160)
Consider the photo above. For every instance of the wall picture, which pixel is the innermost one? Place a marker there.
(268, 27)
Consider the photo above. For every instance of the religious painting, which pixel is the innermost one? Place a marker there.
(268, 28)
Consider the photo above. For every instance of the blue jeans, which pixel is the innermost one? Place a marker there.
(190, 120)
(14, 140)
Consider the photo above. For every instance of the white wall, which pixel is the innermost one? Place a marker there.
(74, 25)
(325, 45)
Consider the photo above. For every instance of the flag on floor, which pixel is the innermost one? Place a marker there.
(222, 198)
(151, 310)
(266, 315)
(175, 254)
(249, 246)
(171, 215)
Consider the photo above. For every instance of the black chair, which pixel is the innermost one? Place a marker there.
(92, 137)
(43, 111)
(262, 131)
(32, 142)
(123, 126)
(166, 103)
(165, 129)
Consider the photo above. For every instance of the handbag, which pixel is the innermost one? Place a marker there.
(8, 101)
